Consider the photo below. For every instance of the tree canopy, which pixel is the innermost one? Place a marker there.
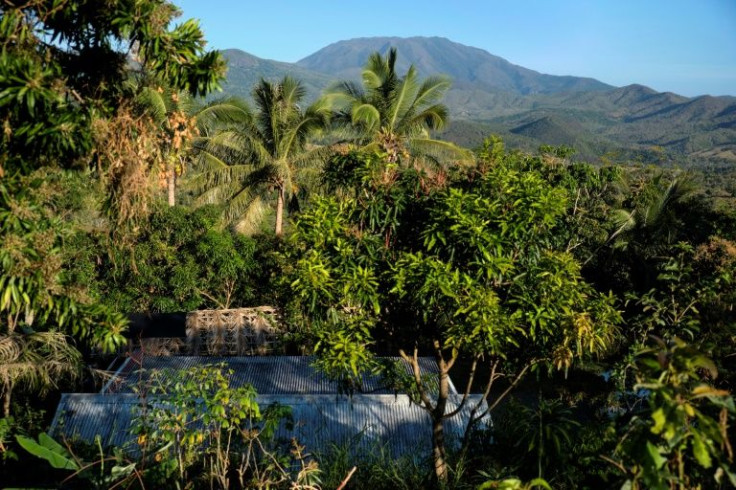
(64, 63)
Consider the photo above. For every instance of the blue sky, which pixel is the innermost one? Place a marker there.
(683, 46)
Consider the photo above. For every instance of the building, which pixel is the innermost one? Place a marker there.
(373, 415)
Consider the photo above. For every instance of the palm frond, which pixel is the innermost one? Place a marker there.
(432, 90)
(345, 92)
(624, 221)
(366, 115)
(292, 93)
(153, 103)
(38, 360)
(250, 221)
(242, 201)
(314, 120)
(441, 151)
(434, 117)
(403, 98)
(221, 113)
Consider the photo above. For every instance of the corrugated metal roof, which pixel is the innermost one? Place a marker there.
(362, 421)
(269, 375)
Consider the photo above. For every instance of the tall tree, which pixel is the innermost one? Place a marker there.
(172, 113)
(181, 119)
(267, 150)
(64, 68)
(42, 304)
(476, 276)
(394, 113)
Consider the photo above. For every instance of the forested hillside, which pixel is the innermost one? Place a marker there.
(586, 310)
(500, 97)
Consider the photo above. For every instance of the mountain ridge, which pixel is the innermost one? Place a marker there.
(494, 95)
(466, 65)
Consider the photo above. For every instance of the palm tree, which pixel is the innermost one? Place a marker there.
(256, 154)
(37, 360)
(171, 112)
(654, 223)
(181, 119)
(395, 114)
(646, 232)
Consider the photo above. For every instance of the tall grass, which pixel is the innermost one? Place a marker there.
(378, 469)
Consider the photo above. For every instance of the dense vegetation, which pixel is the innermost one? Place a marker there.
(592, 306)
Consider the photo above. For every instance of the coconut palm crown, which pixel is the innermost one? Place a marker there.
(261, 153)
(394, 114)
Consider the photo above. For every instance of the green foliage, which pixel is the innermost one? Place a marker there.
(671, 309)
(691, 298)
(682, 439)
(199, 425)
(36, 289)
(99, 473)
(244, 160)
(7, 425)
(394, 114)
(199, 406)
(542, 436)
(182, 261)
(42, 303)
(479, 274)
(383, 192)
(62, 64)
(376, 468)
(515, 484)
(491, 275)
(50, 450)
(335, 282)
(176, 56)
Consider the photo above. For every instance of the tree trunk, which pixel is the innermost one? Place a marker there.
(280, 211)
(172, 184)
(438, 430)
(6, 399)
(438, 449)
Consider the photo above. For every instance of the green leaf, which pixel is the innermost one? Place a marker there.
(57, 456)
(49, 443)
(122, 471)
(700, 451)
(657, 459)
(539, 482)
(659, 420)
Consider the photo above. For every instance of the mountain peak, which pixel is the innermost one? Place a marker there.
(467, 66)
(491, 95)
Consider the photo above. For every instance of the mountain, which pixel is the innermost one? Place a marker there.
(552, 129)
(245, 70)
(525, 107)
(469, 68)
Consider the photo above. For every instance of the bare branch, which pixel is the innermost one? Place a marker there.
(212, 298)
(508, 389)
(347, 478)
(414, 363)
(614, 463)
(467, 390)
